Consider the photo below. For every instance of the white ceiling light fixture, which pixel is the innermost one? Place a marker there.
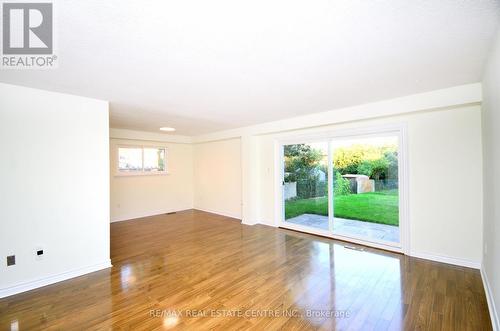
(167, 129)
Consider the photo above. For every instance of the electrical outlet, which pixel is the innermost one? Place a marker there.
(39, 253)
(11, 260)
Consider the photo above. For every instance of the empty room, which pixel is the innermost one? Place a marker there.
(250, 165)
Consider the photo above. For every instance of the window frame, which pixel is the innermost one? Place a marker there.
(126, 173)
(399, 129)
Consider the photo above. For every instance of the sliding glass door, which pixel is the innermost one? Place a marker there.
(346, 187)
(366, 188)
(305, 185)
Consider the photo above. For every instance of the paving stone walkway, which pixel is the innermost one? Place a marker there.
(347, 227)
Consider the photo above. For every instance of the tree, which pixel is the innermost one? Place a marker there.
(375, 169)
(302, 165)
(347, 159)
(300, 160)
(366, 159)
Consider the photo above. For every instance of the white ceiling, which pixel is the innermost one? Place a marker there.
(203, 66)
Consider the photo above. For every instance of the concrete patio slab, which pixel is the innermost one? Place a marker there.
(348, 227)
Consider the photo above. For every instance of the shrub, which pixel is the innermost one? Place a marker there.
(392, 169)
(341, 186)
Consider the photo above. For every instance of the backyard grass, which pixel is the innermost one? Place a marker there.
(377, 207)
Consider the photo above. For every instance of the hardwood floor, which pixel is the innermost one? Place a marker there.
(195, 270)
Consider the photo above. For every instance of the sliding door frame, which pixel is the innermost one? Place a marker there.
(399, 130)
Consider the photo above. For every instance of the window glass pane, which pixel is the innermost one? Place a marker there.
(130, 159)
(305, 184)
(366, 188)
(154, 159)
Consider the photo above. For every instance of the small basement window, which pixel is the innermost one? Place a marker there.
(141, 160)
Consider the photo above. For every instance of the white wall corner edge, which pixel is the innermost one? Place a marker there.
(446, 259)
(44, 281)
(495, 322)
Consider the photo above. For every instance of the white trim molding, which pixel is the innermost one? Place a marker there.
(126, 134)
(230, 215)
(495, 322)
(446, 259)
(134, 216)
(34, 284)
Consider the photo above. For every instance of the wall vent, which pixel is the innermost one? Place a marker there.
(11, 260)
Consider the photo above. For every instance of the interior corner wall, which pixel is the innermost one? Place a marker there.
(141, 196)
(445, 187)
(218, 177)
(491, 175)
(54, 191)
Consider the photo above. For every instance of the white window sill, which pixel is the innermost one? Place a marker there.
(140, 174)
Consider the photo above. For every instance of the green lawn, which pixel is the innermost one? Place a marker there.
(376, 207)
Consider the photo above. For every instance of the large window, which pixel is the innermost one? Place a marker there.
(141, 160)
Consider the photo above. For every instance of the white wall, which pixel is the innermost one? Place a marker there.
(491, 153)
(217, 172)
(445, 166)
(445, 190)
(54, 190)
(139, 196)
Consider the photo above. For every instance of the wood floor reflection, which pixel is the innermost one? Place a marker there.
(195, 270)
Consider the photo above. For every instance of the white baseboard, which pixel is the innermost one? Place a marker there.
(495, 322)
(145, 214)
(31, 285)
(247, 223)
(421, 255)
(238, 217)
(447, 259)
(271, 224)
